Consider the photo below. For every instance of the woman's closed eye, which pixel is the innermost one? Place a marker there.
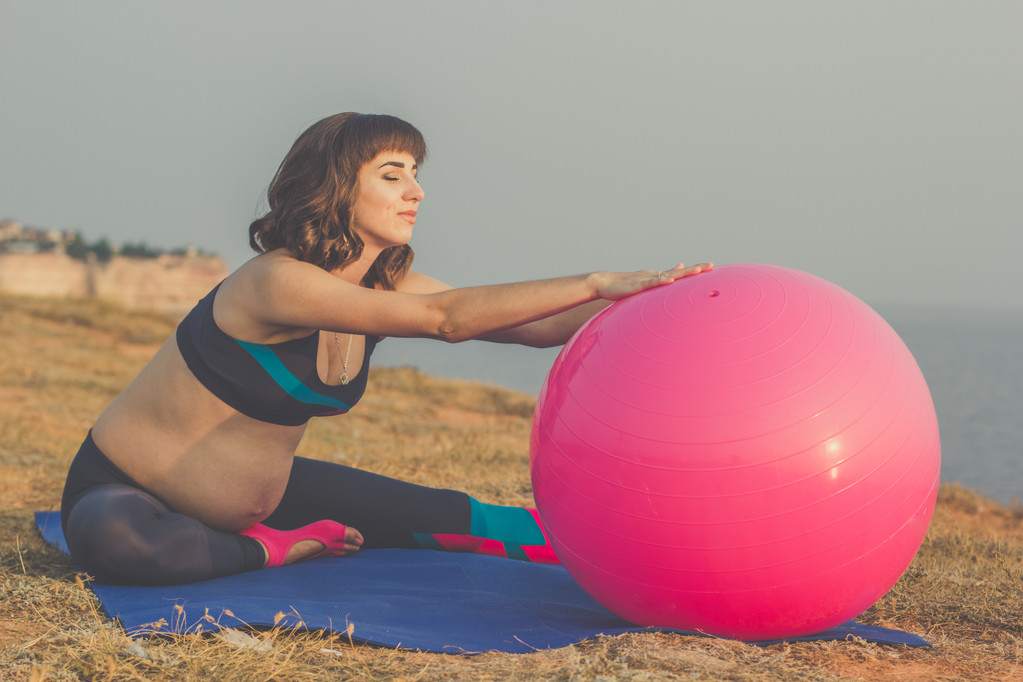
(391, 178)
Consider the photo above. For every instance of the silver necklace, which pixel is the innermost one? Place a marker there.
(344, 358)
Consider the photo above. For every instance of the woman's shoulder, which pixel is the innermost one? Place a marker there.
(271, 270)
(269, 263)
(246, 299)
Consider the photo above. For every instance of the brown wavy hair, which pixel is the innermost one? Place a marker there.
(313, 192)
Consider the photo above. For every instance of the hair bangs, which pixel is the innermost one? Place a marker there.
(371, 134)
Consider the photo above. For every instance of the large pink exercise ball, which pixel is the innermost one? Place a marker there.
(751, 452)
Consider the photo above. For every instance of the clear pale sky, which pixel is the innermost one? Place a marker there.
(876, 144)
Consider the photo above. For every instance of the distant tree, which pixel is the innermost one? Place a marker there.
(104, 252)
(139, 250)
(188, 251)
(77, 248)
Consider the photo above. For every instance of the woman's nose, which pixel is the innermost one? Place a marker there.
(415, 191)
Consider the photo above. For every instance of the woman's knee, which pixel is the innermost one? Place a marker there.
(112, 535)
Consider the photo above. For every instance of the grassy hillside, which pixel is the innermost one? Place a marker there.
(61, 362)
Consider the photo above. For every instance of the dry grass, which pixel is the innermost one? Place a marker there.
(61, 362)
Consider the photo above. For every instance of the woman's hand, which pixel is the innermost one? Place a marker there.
(613, 286)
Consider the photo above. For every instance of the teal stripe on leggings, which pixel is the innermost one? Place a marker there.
(510, 525)
(427, 541)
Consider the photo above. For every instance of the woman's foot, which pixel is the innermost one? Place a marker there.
(307, 549)
(322, 538)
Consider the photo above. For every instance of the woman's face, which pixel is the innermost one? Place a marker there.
(387, 200)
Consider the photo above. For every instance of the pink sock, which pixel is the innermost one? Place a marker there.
(278, 542)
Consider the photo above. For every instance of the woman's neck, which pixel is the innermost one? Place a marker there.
(355, 272)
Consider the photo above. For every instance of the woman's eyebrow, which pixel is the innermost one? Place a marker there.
(399, 164)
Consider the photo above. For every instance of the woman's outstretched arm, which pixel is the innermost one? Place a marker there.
(553, 330)
(283, 293)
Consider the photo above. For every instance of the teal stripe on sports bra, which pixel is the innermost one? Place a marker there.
(291, 384)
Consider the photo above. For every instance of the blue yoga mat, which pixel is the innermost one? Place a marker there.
(415, 599)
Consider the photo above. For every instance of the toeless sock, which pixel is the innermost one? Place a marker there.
(277, 542)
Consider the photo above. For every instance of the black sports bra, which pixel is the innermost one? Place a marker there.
(271, 382)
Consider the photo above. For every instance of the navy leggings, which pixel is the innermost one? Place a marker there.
(119, 533)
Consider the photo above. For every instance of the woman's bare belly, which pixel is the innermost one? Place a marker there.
(201, 457)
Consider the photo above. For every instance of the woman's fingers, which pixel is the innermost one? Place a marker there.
(620, 285)
(681, 270)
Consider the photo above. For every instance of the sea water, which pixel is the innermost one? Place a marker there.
(972, 359)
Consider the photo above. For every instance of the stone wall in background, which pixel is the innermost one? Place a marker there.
(168, 283)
